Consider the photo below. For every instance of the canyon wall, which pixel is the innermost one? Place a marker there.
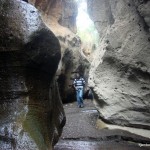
(120, 71)
(60, 17)
(31, 112)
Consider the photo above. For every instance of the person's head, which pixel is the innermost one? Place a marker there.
(77, 75)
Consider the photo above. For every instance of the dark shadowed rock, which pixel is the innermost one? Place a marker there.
(25, 0)
(31, 112)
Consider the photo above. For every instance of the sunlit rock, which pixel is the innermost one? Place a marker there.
(120, 72)
(31, 112)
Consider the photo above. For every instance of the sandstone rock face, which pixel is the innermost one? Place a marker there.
(120, 71)
(143, 9)
(63, 12)
(31, 112)
(60, 17)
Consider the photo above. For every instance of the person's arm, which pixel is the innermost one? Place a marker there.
(74, 86)
(74, 83)
(83, 81)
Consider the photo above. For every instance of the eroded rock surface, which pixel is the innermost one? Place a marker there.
(31, 112)
(121, 78)
(63, 12)
(60, 17)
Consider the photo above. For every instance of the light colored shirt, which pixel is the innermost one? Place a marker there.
(79, 83)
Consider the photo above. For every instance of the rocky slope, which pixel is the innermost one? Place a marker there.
(120, 72)
(31, 112)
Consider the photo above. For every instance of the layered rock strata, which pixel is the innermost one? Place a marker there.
(120, 72)
(31, 112)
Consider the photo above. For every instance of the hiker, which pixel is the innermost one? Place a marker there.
(79, 84)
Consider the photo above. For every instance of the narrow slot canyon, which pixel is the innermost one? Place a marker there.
(45, 44)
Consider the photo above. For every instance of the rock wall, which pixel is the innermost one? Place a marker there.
(60, 17)
(31, 112)
(62, 12)
(120, 71)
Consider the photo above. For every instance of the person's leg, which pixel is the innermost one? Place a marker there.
(81, 97)
(78, 98)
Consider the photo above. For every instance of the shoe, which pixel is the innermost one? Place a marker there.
(82, 106)
(79, 106)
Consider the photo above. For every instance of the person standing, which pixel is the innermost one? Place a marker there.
(79, 84)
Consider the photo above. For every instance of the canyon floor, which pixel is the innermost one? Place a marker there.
(83, 130)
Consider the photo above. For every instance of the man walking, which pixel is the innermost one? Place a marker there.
(79, 84)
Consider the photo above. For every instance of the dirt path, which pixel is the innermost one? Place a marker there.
(81, 132)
